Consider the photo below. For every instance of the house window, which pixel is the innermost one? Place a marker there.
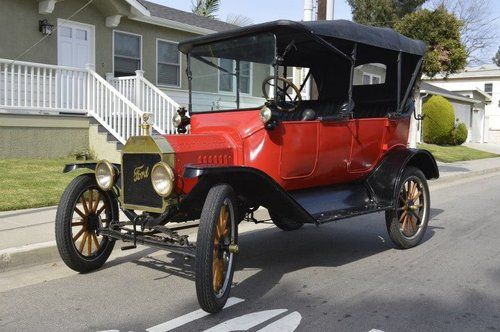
(370, 74)
(488, 88)
(227, 81)
(225, 76)
(169, 64)
(127, 54)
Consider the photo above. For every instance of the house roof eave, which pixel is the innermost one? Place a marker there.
(449, 96)
(139, 7)
(172, 24)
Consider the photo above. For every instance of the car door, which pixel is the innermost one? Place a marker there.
(366, 145)
(299, 150)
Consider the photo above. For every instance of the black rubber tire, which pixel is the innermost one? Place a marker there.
(64, 239)
(285, 224)
(391, 217)
(204, 248)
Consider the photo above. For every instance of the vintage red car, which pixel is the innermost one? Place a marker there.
(332, 147)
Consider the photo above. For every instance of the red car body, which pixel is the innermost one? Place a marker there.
(296, 154)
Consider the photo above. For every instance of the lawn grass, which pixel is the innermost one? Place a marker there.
(450, 154)
(32, 183)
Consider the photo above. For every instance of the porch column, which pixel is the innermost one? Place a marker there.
(139, 74)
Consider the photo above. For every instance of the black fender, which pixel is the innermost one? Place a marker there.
(252, 186)
(71, 167)
(89, 165)
(384, 180)
(92, 165)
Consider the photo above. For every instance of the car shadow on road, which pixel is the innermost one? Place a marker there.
(274, 253)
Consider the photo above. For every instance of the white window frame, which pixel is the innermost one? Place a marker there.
(371, 77)
(491, 92)
(157, 63)
(249, 93)
(113, 48)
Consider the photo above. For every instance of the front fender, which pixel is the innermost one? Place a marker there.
(252, 186)
(384, 179)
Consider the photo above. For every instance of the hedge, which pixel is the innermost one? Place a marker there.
(439, 121)
(460, 134)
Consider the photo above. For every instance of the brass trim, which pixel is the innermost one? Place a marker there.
(111, 170)
(170, 174)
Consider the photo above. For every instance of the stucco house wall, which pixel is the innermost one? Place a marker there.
(20, 31)
(475, 79)
(42, 136)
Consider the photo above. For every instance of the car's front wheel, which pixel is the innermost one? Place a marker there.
(408, 222)
(84, 208)
(216, 248)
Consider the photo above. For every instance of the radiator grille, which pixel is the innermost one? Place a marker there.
(137, 187)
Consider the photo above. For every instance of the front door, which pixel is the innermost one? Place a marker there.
(299, 152)
(75, 43)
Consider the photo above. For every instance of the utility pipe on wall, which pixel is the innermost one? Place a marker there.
(330, 7)
(308, 10)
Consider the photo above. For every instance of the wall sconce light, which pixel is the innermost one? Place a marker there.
(45, 27)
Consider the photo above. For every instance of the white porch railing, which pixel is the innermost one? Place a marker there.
(26, 85)
(112, 109)
(149, 99)
(39, 87)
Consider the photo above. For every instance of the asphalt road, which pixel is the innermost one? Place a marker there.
(344, 276)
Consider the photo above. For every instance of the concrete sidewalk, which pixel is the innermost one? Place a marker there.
(27, 236)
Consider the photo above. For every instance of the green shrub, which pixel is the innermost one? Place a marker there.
(439, 121)
(460, 134)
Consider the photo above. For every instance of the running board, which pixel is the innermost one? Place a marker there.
(327, 204)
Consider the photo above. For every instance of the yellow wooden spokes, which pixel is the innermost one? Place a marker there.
(409, 216)
(89, 241)
(218, 263)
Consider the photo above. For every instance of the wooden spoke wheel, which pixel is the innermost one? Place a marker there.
(83, 210)
(216, 248)
(411, 207)
(221, 252)
(408, 222)
(87, 219)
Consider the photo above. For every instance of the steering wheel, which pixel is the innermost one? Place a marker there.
(282, 94)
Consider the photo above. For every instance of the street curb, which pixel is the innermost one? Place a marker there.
(28, 255)
(470, 174)
(46, 252)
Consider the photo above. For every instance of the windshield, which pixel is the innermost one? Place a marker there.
(228, 75)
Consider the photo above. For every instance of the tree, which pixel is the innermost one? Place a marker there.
(496, 59)
(478, 29)
(440, 31)
(382, 12)
(206, 8)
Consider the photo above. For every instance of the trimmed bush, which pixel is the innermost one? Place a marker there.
(460, 134)
(439, 121)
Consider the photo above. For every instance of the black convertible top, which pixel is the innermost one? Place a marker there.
(379, 37)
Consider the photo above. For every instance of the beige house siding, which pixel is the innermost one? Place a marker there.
(42, 136)
(20, 31)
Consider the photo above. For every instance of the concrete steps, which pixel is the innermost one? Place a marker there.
(102, 143)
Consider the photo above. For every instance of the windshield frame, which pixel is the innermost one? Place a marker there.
(189, 74)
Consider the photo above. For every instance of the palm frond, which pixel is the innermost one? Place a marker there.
(239, 20)
(206, 8)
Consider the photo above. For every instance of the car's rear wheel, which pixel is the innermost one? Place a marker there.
(216, 248)
(84, 208)
(285, 223)
(408, 222)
